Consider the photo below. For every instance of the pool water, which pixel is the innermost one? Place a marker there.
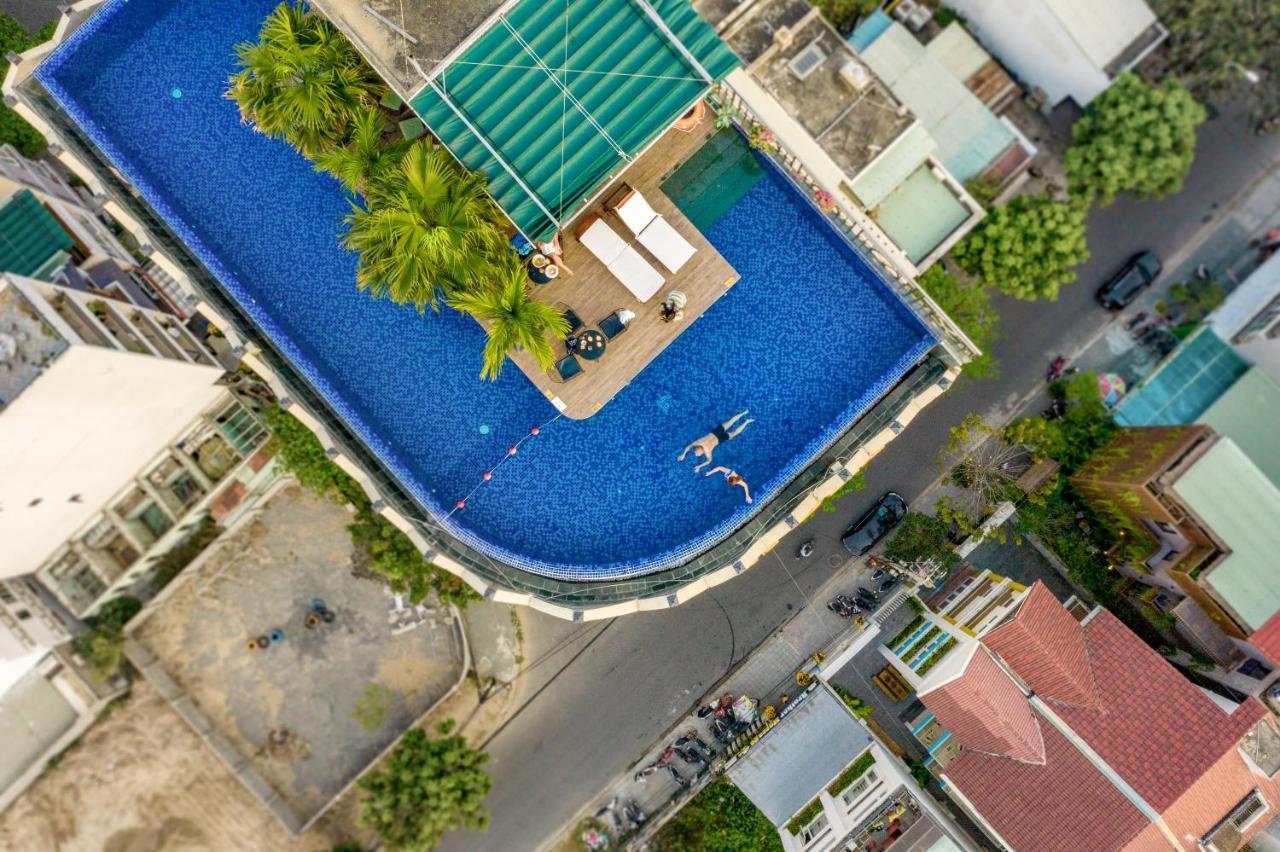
(808, 338)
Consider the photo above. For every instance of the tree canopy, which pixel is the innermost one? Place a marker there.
(1136, 138)
(1028, 247)
(427, 787)
(13, 128)
(1211, 42)
(920, 537)
(719, 819)
(969, 305)
(302, 81)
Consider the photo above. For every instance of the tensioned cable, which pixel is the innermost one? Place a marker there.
(488, 147)
(676, 42)
(676, 77)
(564, 105)
(547, 70)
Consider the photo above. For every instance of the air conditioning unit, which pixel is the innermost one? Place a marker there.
(783, 36)
(915, 15)
(854, 75)
(807, 61)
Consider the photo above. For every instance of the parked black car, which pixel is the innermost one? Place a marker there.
(1132, 279)
(888, 584)
(875, 524)
(867, 598)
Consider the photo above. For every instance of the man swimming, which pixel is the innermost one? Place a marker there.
(706, 445)
(733, 478)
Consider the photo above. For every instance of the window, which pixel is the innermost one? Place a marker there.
(813, 830)
(6, 595)
(186, 489)
(1247, 811)
(853, 795)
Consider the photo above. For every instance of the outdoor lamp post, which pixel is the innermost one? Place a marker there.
(1250, 76)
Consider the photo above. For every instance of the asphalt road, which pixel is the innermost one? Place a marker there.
(32, 14)
(599, 694)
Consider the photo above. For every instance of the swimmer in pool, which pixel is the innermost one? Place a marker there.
(705, 446)
(733, 478)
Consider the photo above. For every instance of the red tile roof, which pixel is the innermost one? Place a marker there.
(1062, 805)
(1267, 638)
(986, 711)
(1046, 647)
(1154, 727)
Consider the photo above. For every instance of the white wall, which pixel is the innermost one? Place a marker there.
(1244, 303)
(85, 427)
(1030, 38)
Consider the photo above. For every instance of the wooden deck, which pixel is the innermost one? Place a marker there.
(593, 293)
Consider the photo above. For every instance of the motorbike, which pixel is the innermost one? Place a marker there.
(634, 815)
(1135, 320)
(1056, 367)
(677, 777)
(692, 740)
(806, 549)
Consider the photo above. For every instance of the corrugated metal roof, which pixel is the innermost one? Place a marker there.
(1230, 494)
(555, 97)
(969, 135)
(29, 235)
(1247, 414)
(791, 764)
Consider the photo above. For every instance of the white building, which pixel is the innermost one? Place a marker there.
(1249, 320)
(117, 436)
(825, 782)
(1066, 48)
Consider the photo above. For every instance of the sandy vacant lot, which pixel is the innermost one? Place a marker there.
(142, 781)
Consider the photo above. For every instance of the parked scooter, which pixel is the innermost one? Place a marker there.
(677, 777)
(1135, 320)
(692, 740)
(634, 815)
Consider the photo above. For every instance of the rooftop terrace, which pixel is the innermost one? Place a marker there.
(27, 344)
(394, 35)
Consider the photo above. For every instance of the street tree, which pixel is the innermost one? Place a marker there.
(1028, 247)
(921, 538)
(427, 787)
(1224, 48)
(968, 303)
(1136, 138)
(982, 468)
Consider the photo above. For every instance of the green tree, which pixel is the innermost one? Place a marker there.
(1193, 299)
(301, 453)
(969, 306)
(429, 227)
(427, 787)
(1136, 138)
(102, 645)
(920, 537)
(983, 190)
(394, 556)
(14, 129)
(366, 158)
(1211, 41)
(719, 819)
(983, 468)
(1028, 247)
(513, 318)
(302, 81)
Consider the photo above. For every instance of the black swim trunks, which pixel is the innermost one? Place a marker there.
(720, 434)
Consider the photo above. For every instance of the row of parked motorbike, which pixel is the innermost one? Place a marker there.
(863, 601)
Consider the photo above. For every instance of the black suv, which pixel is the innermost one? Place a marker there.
(1125, 285)
(875, 524)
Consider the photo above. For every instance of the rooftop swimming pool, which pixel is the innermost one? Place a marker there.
(808, 339)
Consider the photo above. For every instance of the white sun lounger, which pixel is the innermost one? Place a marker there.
(654, 232)
(627, 264)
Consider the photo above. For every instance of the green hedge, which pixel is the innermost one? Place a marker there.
(855, 771)
(720, 818)
(906, 631)
(936, 656)
(922, 643)
(800, 820)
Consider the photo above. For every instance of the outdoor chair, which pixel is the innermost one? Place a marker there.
(412, 128)
(568, 367)
(612, 325)
(626, 264)
(572, 318)
(654, 232)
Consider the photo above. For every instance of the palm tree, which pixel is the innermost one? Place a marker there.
(513, 318)
(365, 159)
(302, 80)
(427, 226)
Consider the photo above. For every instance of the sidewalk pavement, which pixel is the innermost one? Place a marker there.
(764, 675)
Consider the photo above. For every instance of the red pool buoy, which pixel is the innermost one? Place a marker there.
(462, 504)
(511, 451)
(533, 431)
(487, 476)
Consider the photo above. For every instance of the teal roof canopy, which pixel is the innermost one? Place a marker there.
(1198, 372)
(556, 96)
(29, 235)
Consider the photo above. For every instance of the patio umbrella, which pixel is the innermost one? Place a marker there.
(1112, 387)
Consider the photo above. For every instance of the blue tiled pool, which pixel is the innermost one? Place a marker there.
(808, 339)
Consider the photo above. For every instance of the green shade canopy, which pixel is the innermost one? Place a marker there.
(29, 235)
(555, 97)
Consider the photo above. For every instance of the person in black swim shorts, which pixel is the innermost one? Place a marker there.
(705, 446)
